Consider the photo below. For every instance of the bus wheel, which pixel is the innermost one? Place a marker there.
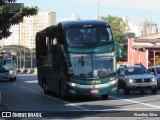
(104, 97)
(142, 91)
(13, 79)
(45, 88)
(62, 91)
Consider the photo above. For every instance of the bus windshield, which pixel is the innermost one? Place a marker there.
(5, 64)
(88, 35)
(92, 65)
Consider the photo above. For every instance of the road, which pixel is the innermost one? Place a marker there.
(26, 95)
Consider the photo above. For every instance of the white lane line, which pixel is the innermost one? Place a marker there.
(31, 81)
(57, 99)
(145, 104)
(154, 106)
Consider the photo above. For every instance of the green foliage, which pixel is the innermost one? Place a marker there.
(157, 59)
(7, 19)
(118, 28)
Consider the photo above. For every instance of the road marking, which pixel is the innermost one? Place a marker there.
(158, 107)
(23, 78)
(57, 99)
(145, 104)
(31, 81)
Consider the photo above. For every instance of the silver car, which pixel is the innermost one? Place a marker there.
(136, 78)
(155, 70)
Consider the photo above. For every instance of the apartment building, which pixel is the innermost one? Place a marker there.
(14, 39)
(24, 33)
(141, 28)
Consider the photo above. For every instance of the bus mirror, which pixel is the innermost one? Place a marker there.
(81, 60)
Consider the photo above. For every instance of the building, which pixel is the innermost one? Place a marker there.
(14, 39)
(140, 28)
(24, 33)
(31, 25)
(73, 16)
(143, 51)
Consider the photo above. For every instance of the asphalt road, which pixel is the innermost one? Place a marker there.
(25, 95)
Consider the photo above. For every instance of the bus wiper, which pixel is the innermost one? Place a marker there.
(80, 61)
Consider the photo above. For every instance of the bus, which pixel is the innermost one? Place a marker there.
(8, 66)
(77, 58)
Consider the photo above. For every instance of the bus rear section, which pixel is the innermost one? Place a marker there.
(77, 58)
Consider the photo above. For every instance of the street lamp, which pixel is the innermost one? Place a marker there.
(150, 23)
(31, 58)
(98, 9)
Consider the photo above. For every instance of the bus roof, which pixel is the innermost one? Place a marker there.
(76, 23)
(84, 23)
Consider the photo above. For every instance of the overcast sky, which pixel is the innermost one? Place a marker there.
(137, 10)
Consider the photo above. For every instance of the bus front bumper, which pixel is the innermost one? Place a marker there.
(96, 89)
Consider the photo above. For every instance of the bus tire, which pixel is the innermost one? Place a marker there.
(45, 88)
(62, 92)
(104, 97)
(13, 79)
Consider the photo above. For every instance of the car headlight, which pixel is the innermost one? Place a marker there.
(153, 79)
(131, 80)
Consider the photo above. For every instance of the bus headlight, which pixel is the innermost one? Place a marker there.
(72, 84)
(11, 72)
(131, 80)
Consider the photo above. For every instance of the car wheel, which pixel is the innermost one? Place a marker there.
(62, 92)
(104, 97)
(142, 91)
(154, 91)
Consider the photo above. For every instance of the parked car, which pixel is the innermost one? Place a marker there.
(136, 78)
(155, 70)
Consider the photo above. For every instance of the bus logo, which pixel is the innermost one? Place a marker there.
(95, 72)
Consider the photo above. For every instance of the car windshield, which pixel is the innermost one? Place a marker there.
(92, 65)
(158, 70)
(88, 35)
(135, 71)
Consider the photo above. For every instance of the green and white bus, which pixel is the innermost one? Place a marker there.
(77, 58)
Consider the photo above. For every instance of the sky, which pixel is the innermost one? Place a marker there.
(136, 10)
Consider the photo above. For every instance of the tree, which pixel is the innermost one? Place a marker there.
(7, 18)
(118, 28)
